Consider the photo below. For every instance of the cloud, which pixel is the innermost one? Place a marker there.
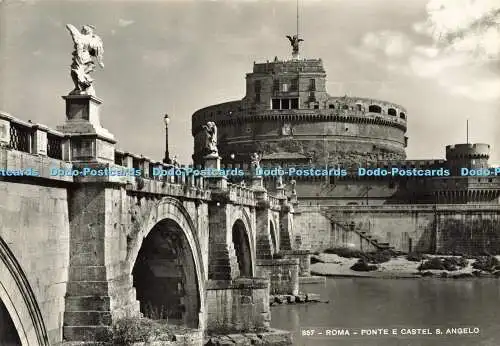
(392, 43)
(464, 48)
(124, 23)
(464, 25)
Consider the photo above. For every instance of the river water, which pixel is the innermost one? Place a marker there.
(358, 304)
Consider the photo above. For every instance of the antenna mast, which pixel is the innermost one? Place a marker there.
(467, 133)
(297, 19)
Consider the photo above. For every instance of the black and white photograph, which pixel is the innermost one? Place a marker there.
(249, 172)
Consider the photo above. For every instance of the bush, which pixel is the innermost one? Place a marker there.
(345, 252)
(486, 263)
(444, 263)
(377, 257)
(416, 257)
(433, 263)
(363, 266)
(135, 329)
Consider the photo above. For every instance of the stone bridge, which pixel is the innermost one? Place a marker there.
(80, 251)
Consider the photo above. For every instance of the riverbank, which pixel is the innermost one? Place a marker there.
(397, 267)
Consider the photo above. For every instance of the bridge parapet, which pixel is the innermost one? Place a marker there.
(32, 138)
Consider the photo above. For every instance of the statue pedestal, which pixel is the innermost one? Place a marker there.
(212, 161)
(89, 141)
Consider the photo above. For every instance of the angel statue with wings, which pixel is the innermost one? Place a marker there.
(211, 138)
(294, 41)
(87, 45)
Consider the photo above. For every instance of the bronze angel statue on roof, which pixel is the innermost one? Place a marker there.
(87, 45)
(294, 41)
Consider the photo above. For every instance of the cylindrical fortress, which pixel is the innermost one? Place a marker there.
(467, 156)
(287, 113)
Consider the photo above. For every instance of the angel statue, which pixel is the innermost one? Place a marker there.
(255, 163)
(294, 41)
(211, 138)
(87, 45)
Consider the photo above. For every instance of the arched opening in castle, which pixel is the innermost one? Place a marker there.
(165, 276)
(242, 249)
(8, 332)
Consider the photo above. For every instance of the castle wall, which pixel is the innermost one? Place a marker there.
(423, 228)
(35, 225)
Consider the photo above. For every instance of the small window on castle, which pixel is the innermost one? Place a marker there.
(312, 84)
(276, 85)
(295, 85)
(294, 104)
(285, 104)
(316, 106)
(276, 104)
(402, 115)
(345, 107)
(257, 98)
(374, 109)
(284, 87)
(331, 106)
(257, 86)
(392, 111)
(359, 107)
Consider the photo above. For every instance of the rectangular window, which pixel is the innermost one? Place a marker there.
(284, 87)
(294, 104)
(257, 98)
(276, 85)
(276, 104)
(295, 85)
(257, 86)
(312, 84)
(285, 104)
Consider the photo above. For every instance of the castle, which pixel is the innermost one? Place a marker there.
(289, 118)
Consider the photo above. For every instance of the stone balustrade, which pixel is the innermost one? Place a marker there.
(274, 202)
(26, 142)
(36, 139)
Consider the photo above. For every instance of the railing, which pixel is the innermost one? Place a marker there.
(21, 137)
(274, 202)
(241, 194)
(54, 146)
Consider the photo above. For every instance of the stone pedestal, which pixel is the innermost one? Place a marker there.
(212, 162)
(89, 141)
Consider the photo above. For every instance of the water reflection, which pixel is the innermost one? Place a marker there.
(373, 303)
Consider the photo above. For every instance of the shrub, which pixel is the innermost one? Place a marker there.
(345, 252)
(377, 257)
(363, 266)
(486, 263)
(433, 263)
(135, 329)
(416, 257)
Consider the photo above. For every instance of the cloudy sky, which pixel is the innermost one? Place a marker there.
(438, 58)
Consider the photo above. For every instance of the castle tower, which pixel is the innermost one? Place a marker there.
(468, 155)
(288, 115)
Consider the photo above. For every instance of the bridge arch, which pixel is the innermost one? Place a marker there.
(19, 301)
(167, 265)
(243, 237)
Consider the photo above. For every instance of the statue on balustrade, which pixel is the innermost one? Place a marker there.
(87, 45)
(255, 161)
(211, 139)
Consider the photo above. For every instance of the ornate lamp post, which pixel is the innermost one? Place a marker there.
(166, 159)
